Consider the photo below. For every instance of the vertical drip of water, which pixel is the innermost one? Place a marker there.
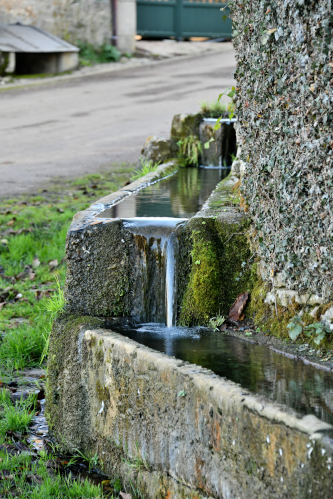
(154, 275)
(171, 279)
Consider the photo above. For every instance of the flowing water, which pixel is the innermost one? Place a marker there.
(153, 215)
(155, 267)
(256, 368)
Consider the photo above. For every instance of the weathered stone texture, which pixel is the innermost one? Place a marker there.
(213, 252)
(156, 149)
(283, 99)
(110, 395)
(88, 20)
(101, 257)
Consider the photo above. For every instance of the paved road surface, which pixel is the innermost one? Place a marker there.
(70, 128)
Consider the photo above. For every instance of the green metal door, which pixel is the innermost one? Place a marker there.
(182, 19)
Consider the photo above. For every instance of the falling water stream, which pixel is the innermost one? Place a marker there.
(155, 271)
(153, 215)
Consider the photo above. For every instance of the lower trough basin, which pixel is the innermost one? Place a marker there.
(176, 429)
(256, 368)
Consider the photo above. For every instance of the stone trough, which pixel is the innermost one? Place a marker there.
(170, 428)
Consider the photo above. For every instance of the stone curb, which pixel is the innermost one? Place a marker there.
(87, 216)
(111, 68)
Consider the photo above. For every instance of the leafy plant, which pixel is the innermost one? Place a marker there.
(317, 331)
(295, 327)
(90, 54)
(190, 150)
(216, 322)
(92, 460)
(146, 167)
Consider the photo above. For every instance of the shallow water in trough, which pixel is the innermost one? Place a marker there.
(180, 195)
(256, 368)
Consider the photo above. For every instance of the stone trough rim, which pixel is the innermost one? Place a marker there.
(272, 411)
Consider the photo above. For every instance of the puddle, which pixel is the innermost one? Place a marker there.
(181, 195)
(256, 368)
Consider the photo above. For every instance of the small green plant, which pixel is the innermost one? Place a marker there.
(53, 307)
(230, 108)
(295, 327)
(146, 167)
(16, 417)
(213, 109)
(90, 54)
(216, 322)
(190, 150)
(137, 462)
(316, 331)
(92, 460)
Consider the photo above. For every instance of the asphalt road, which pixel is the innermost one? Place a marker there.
(70, 128)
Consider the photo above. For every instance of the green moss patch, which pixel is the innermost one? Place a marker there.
(220, 269)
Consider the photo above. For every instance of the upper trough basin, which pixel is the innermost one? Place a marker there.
(181, 195)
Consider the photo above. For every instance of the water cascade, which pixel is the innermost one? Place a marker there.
(154, 271)
(153, 215)
(151, 218)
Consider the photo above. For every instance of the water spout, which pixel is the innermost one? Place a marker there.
(154, 272)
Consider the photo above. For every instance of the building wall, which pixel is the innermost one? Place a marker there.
(284, 106)
(72, 20)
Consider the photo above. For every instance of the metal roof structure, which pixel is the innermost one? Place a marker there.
(24, 38)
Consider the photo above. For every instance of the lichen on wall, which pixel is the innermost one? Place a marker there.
(284, 107)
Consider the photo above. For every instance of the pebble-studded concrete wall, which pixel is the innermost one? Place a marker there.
(284, 100)
(73, 20)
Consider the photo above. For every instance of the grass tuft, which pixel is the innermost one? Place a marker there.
(146, 167)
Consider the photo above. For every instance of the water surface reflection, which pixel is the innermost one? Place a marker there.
(179, 196)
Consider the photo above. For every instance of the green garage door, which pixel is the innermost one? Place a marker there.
(182, 19)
